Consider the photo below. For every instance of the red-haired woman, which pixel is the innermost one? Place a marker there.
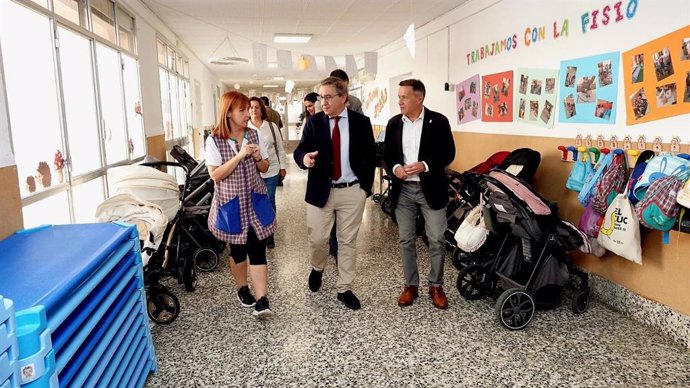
(235, 158)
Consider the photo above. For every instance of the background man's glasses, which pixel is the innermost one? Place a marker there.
(327, 97)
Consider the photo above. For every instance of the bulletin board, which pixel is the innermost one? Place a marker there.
(656, 76)
(468, 100)
(536, 96)
(497, 97)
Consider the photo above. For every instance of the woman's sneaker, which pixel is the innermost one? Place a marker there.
(261, 310)
(245, 297)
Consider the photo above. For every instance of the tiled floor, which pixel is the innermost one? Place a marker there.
(314, 341)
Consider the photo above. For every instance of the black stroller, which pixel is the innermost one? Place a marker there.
(531, 266)
(464, 192)
(197, 204)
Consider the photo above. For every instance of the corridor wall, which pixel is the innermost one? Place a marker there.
(444, 50)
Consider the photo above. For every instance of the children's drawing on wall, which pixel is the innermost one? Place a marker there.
(590, 89)
(586, 90)
(376, 99)
(533, 109)
(497, 100)
(667, 80)
(666, 95)
(536, 96)
(639, 103)
(685, 49)
(570, 77)
(605, 74)
(663, 65)
(637, 68)
(569, 106)
(545, 115)
(467, 99)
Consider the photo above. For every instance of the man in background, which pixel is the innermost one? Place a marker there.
(273, 115)
(353, 103)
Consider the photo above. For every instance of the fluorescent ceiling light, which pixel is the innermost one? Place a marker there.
(278, 78)
(272, 65)
(270, 86)
(291, 38)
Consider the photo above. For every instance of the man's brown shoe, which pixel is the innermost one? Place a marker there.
(408, 296)
(438, 297)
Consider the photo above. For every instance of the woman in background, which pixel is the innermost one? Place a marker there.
(272, 138)
(235, 158)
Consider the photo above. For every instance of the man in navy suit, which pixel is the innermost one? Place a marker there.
(418, 147)
(337, 147)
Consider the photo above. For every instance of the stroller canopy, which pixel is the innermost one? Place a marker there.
(147, 184)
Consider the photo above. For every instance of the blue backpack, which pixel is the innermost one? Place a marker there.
(581, 170)
(593, 179)
(640, 166)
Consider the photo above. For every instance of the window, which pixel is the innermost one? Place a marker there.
(125, 29)
(72, 10)
(30, 78)
(175, 98)
(103, 19)
(70, 118)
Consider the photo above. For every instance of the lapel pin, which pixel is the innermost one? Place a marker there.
(429, 121)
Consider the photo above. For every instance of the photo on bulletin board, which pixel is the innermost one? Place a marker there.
(589, 89)
(656, 76)
(536, 96)
(467, 100)
(497, 97)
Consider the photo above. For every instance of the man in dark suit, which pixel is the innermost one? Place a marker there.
(418, 147)
(337, 147)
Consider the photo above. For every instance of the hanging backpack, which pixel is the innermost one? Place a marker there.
(580, 171)
(659, 209)
(640, 166)
(659, 167)
(592, 180)
(612, 183)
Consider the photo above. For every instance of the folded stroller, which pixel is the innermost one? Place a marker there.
(531, 266)
(163, 307)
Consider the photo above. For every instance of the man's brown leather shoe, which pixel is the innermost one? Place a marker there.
(438, 297)
(408, 296)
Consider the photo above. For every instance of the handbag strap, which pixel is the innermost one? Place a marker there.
(275, 141)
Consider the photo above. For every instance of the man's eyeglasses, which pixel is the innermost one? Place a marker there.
(327, 97)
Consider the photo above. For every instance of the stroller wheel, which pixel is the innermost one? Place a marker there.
(162, 306)
(473, 282)
(376, 198)
(206, 259)
(387, 205)
(580, 302)
(189, 274)
(515, 308)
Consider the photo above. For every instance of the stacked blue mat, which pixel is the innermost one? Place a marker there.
(9, 373)
(80, 304)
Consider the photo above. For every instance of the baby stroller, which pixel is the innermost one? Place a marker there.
(465, 188)
(531, 266)
(197, 204)
(163, 307)
(174, 255)
(382, 197)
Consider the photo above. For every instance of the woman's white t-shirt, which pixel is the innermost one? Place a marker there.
(213, 157)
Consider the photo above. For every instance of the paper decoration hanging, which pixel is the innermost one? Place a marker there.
(260, 55)
(284, 59)
(468, 100)
(329, 64)
(350, 66)
(371, 63)
(589, 89)
(536, 96)
(497, 97)
(658, 71)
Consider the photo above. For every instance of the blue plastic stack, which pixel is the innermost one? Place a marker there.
(8, 345)
(80, 306)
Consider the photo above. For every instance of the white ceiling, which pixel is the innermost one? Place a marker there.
(339, 28)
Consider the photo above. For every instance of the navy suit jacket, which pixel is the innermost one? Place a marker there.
(316, 136)
(436, 148)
